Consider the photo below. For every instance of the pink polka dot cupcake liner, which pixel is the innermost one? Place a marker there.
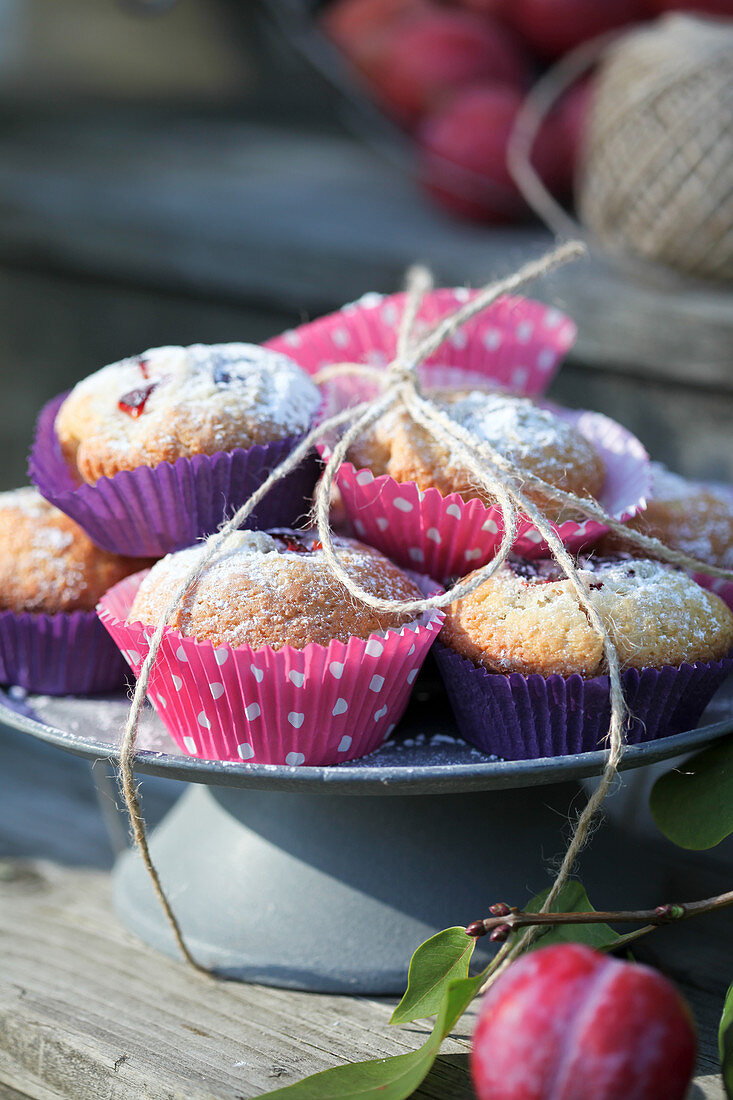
(64, 654)
(517, 342)
(520, 717)
(318, 705)
(445, 536)
(152, 511)
(720, 587)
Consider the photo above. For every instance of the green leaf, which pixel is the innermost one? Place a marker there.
(573, 899)
(693, 803)
(388, 1078)
(437, 962)
(725, 1043)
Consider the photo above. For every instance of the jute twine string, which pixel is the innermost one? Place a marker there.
(490, 471)
(653, 182)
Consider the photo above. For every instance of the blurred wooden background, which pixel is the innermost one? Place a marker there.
(187, 176)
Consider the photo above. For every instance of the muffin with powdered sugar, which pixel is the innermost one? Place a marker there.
(51, 576)
(527, 673)
(531, 437)
(176, 402)
(692, 517)
(268, 657)
(150, 453)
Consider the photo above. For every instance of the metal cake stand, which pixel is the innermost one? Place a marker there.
(327, 878)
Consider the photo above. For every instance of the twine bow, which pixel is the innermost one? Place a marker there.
(399, 387)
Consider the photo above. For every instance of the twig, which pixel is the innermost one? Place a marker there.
(506, 919)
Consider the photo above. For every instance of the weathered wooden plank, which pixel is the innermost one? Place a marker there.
(303, 220)
(87, 1010)
(92, 1012)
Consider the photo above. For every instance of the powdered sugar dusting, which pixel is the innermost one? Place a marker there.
(515, 426)
(46, 568)
(273, 589)
(648, 607)
(692, 516)
(218, 382)
(28, 501)
(668, 486)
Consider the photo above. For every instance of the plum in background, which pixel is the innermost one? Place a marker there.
(552, 27)
(462, 150)
(430, 56)
(462, 154)
(361, 28)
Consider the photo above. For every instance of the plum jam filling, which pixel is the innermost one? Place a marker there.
(133, 403)
(221, 375)
(538, 572)
(547, 571)
(298, 546)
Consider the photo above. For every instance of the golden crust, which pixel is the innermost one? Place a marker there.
(259, 593)
(699, 525)
(47, 563)
(182, 402)
(655, 616)
(395, 445)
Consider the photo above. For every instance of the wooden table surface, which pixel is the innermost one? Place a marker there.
(87, 1011)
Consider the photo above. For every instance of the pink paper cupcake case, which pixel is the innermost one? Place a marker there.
(64, 654)
(446, 536)
(319, 705)
(151, 511)
(520, 717)
(516, 342)
(720, 587)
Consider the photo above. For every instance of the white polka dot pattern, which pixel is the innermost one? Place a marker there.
(321, 705)
(447, 536)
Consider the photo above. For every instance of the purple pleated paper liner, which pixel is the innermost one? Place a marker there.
(69, 653)
(520, 717)
(151, 511)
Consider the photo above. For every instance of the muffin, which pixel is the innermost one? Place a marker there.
(176, 402)
(268, 658)
(47, 563)
(526, 673)
(154, 452)
(275, 590)
(690, 516)
(51, 576)
(440, 523)
(531, 437)
(526, 618)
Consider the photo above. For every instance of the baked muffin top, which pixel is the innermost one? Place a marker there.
(276, 590)
(47, 563)
(175, 402)
(690, 516)
(526, 618)
(531, 437)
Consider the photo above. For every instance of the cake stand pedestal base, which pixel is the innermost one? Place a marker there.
(331, 893)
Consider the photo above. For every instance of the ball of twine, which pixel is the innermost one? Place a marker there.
(656, 178)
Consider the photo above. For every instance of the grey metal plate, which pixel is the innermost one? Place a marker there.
(425, 754)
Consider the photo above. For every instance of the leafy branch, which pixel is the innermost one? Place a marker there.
(692, 805)
(506, 919)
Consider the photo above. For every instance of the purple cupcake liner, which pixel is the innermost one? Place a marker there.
(151, 511)
(69, 653)
(520, 717)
